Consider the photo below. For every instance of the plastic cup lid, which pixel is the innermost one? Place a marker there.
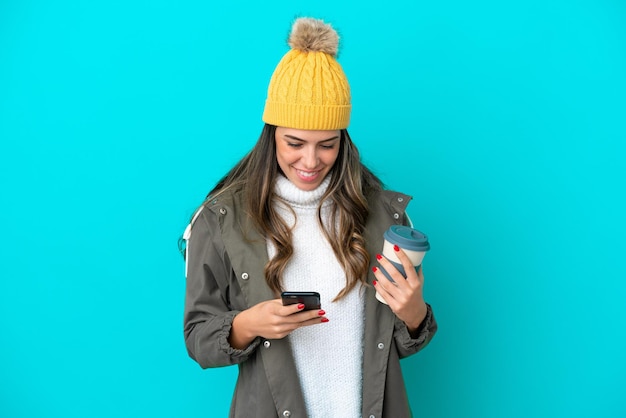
(407, 238)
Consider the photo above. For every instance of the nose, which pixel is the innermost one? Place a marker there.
(309, 158)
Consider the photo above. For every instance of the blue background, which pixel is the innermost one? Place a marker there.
(504, 120)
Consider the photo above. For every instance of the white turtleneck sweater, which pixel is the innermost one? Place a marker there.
(328, 356)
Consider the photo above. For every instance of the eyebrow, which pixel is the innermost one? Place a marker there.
(304, 140)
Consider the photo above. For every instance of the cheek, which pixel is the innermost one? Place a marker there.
(281, 153)
(332, 158)
(285, 156)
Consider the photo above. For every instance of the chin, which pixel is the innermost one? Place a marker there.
(307, 186)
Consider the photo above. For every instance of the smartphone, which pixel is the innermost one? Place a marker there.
(311, 300)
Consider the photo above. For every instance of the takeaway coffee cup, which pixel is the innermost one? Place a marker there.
(413, 242)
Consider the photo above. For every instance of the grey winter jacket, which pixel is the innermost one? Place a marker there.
(226, 258)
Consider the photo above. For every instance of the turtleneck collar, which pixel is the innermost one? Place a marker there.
(296, 197)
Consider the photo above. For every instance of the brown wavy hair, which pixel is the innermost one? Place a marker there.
(350, 183)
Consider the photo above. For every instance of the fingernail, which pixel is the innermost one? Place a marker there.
(379, 257)
(301, 306)
(324, 319)
(374, 269)
(321, 312)
(374, 282)
(396, 248)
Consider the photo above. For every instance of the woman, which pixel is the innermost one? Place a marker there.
(301, 213)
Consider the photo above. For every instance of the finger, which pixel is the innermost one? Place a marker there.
(295, 318)
(280, 326)
(293, 309)
(389, 294)
(306, 318)
(411, 273)
(397, 277)
(395, 298)
(314, 321)
(285, 310)
(386, 288)
(304, 315)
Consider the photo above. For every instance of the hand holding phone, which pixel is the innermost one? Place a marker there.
(311, 300)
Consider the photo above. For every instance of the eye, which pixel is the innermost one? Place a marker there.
(294, 145)
(328, 146)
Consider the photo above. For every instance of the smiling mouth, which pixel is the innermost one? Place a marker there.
(307, 173)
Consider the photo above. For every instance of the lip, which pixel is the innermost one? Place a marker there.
(313, 175)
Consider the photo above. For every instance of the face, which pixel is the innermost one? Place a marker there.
(306, 157)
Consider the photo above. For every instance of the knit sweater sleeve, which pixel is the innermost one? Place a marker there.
(212, 298)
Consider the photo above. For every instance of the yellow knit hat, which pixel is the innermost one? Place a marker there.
(309, 89)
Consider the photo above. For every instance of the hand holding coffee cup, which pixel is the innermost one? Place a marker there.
(414, 244)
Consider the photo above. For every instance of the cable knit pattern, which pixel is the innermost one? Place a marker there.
(328, 356)
(309, 89)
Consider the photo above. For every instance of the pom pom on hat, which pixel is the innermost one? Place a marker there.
(313, 35)
(309, 89)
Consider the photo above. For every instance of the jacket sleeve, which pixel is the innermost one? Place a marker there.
(212, 297)
(408, 344)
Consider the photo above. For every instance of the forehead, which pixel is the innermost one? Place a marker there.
(306, 135)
